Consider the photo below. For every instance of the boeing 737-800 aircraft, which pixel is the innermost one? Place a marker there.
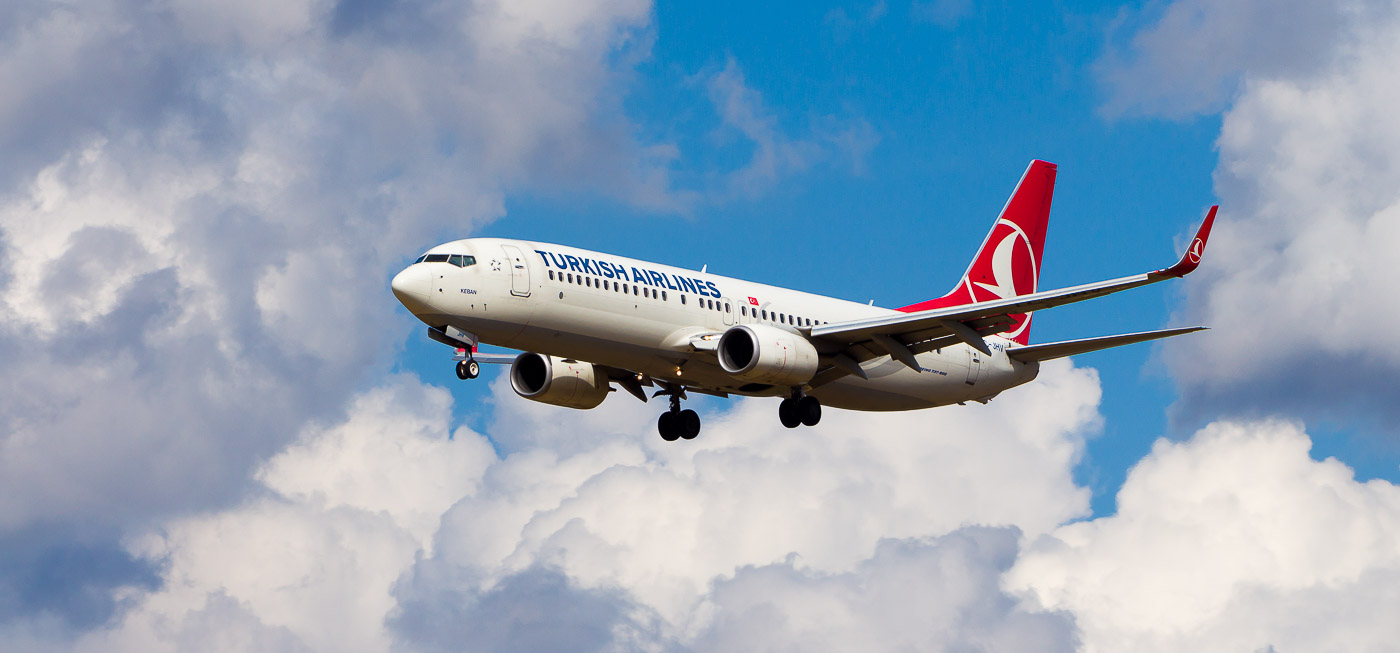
(588, 320)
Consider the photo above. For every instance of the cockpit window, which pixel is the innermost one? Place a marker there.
(459, 260)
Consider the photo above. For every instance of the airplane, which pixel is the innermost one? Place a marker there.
(585, 321)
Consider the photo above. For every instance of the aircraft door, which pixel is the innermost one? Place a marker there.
(519, 271)
(974, 365)
(728, 310)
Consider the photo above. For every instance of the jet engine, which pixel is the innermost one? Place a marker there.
(759, 353)
(558, 381)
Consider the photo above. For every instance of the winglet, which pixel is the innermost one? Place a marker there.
(1194, 252)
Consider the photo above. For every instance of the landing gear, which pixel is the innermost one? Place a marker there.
(675, 424)
(798, 410)
(468, 369)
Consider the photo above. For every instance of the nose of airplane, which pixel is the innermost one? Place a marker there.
(411, 286)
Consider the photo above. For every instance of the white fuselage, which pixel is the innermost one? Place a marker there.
(641, 316)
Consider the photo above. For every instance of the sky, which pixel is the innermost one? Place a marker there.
(219, 431)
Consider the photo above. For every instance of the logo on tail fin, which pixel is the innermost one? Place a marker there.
(1197, 248)
(1007, 260)
(1009, 271)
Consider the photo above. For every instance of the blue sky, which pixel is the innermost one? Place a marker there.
(218, 426)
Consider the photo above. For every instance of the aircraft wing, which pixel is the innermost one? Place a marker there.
(905, 334)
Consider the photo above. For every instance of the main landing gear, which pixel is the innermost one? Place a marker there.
(675, 423)
(468, 369)
(799, 409)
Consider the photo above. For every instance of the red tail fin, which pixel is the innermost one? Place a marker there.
(1008, 264)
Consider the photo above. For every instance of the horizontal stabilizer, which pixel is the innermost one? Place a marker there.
(1055, 350)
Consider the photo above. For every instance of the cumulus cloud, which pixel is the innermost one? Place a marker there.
(1189, 56)
(1298, 284)
(201, 202)
(391, 529)
(1234, 540)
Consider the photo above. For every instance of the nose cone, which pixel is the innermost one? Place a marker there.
(411, 286)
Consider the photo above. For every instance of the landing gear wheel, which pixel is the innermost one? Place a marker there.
(689, 422)
(787, 414)
(468, 369)
(809, 411)
(669, 427)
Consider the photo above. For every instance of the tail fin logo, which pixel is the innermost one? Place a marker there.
(1011, 268)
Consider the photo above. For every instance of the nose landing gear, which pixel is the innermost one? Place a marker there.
(675, 423)
(799, 410)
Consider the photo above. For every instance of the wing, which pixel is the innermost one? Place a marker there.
(903, 335)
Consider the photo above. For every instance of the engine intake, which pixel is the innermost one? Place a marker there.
(758, 353)
(558, 381)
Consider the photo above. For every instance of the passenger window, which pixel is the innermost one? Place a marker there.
(663, 296)
(682, 300)
(551, 275)
(636, 290)
(726, 307)
(571, 277)
(605, 284)
(765, 313)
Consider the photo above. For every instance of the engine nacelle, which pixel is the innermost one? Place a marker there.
(759, 353)
(558, 381)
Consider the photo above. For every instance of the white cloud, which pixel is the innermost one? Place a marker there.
(1234, 540)
(201, 204)
(221, 247)
(381, 519)
(1191, 55)
(309, 561)
(1298, 282)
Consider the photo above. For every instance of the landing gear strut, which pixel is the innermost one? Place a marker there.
(675, 423)
(799, 409)
(468, 369)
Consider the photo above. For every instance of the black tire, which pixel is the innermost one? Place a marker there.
(667, 426)
(689, 423)
(787, 414)
(809, 411)
(473, 369)
(462, 370)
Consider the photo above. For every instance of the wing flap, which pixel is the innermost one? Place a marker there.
(1053, 350)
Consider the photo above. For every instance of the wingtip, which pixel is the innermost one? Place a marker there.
(1191, 259)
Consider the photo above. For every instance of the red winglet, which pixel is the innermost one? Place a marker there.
(1194, 252)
